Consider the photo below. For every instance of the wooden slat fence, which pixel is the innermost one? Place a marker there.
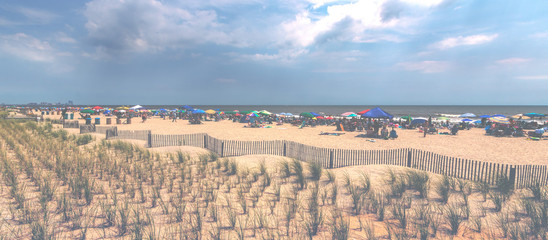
(347, 157)
(308, 153)
(131, 134)
(71, 124)
(104, 129)
(87, 128)
(529, 175)
(489, 172)
(239, 148)
(195, 140)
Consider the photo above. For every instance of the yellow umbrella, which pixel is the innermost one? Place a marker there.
(122, 108)
(520, 115)
(210, 111)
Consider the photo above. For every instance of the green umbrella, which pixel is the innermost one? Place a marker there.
(87, 111)
(443, 118)
(246, 112)
(307, 114)
(407, 117)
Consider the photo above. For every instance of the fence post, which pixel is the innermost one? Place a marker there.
(149, 139)
(331, 156)
(222, 148)
(512, 176)
(409, 158)
(285, 150)
(205, 141)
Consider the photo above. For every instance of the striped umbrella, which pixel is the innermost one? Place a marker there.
(502, 120)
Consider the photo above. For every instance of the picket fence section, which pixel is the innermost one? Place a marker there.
(71, 124)
(521, 175)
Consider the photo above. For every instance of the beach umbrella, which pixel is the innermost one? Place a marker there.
(347, 114)
(534, 114)
(363, 112)
(122, 108)
(418, 121)
(314, 114)
(329, 118)
(377, 113)
(136, 107)
(198, 111)
(182, 111)
(477, 121)
(210, 111)
(188, 107)
(499, 115)
(87, 111)
(484, 116)
(252, 114)
(467, 120)
(320, 117)
(289, 114)
(502, 120)
(264, 112)
(467, 115)
(407, 117)
(96, 108)
(307, 114)
(442, 118)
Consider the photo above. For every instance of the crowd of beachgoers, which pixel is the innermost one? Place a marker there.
(374, 123)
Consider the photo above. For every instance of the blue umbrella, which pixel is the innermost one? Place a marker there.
(477, 121)
(197, 111)
(484, 116)
(468, 115)
(188, 107)
(418, 121)
(467, 120)
(315, 114)
(498, 115)
(162, 109)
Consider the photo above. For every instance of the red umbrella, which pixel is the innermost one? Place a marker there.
(363, 112)
(320, 117)
(96, 108)
(329, 118)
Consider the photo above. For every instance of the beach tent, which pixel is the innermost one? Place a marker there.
(363, 112)
(136, 107)
(502, 120)
(376, 113)
(467, 115)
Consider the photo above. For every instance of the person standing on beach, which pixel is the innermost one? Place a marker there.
(425, 128)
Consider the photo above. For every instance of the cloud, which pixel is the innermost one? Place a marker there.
(464, 41)
(533, 77)
(350, 21)
(36, 15)
(116, 26)
(425, 66)
(27, 47)
(513, 60)
(64, 38)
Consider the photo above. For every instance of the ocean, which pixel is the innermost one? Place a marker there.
(401, 110)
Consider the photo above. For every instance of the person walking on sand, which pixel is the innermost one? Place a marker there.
(425, 128)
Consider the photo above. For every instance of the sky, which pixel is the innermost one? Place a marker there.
(275, 52)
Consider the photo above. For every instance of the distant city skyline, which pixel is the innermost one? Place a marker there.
(253, 52)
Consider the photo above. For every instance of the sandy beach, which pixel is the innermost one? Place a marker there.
(470, 144)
